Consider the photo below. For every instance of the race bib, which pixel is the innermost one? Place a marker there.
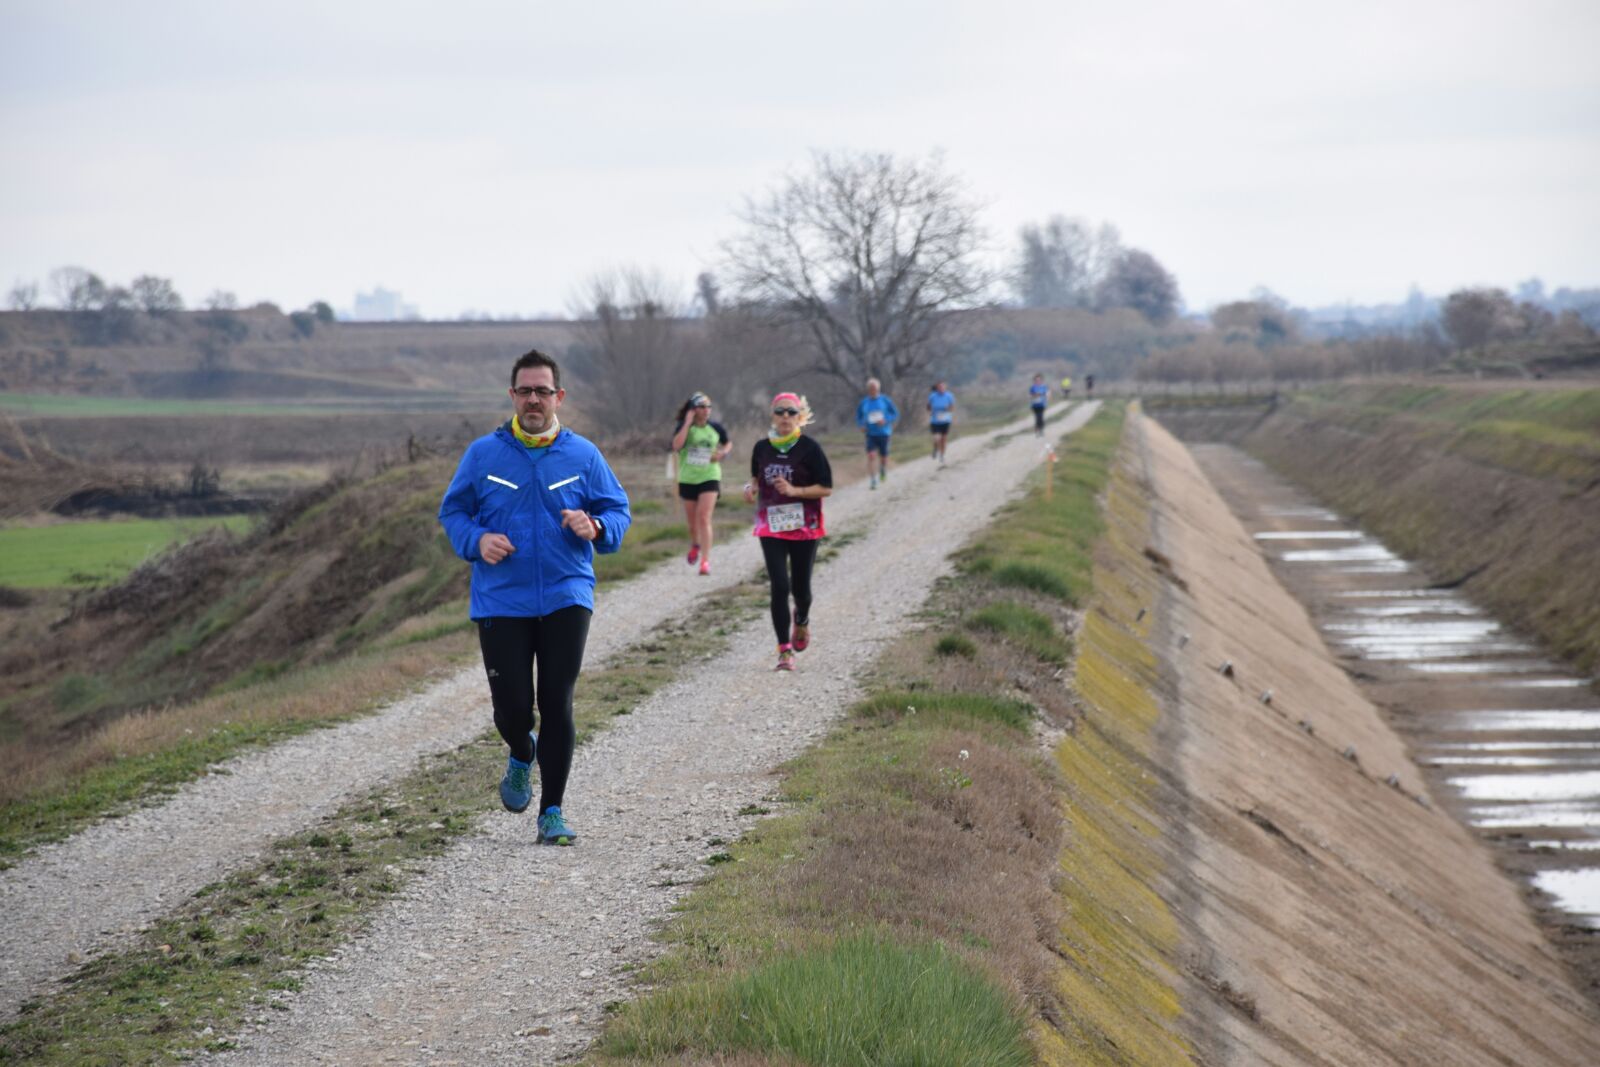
(875, 418)
(697, 456)
(941, 417)
(781, 518)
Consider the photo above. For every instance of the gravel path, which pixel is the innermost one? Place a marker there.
(91, 893)
(506, 952)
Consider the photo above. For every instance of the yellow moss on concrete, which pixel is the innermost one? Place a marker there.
(1118, 935)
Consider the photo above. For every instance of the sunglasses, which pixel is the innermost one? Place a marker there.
(524, 392)
(786, 411)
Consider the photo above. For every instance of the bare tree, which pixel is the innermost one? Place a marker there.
(76, 289)
(1474, 317)
(1060, 263)
(24, 296)
(156, 296)
(864, 254)
(629, 327)
(1136, 280)
(708, 292)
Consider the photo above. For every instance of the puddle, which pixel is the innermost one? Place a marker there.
(1573, 786)
(1417, 607)
(1575, 891)
(1309, 535)
(1452, 638)
(1302, 512)
(1494, 761)
(1366, 551)
(1520, 721)
(1567, 815)
(1445, 629)
(1482, 667)
(1374, 594)
(1514, 746)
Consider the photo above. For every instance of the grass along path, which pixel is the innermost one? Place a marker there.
(656, 797)
(145, 862)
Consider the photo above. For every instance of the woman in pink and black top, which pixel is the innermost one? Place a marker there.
(789, 476)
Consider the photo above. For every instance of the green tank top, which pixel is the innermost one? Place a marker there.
(695, 464)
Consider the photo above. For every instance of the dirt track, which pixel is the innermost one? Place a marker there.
(506, 952)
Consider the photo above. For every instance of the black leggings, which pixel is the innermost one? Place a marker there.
(789, 562)
(1038, 418)
(510, 647)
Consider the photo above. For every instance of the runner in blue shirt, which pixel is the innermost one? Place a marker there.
(1038, 397)
(876, 414)
(941, 414)
(529, 506)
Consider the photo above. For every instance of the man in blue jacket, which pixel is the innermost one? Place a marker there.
(529, 506)
(876, 414)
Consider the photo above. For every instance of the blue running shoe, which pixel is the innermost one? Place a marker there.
(516, 792)
(553, 829)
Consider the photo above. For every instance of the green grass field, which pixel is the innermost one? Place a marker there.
(90, 553)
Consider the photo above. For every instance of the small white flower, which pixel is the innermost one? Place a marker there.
(965, 753)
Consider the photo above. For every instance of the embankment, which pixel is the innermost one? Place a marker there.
(1495, 489)
(1293, 888)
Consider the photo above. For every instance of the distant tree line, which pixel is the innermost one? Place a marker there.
(149, 309)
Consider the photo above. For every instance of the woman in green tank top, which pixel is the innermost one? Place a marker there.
(700, 444)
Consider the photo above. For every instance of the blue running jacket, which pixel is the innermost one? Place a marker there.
(503, 486)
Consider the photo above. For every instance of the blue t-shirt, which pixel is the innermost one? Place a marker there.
(1040, 393)
(877, 415)
(939, 405)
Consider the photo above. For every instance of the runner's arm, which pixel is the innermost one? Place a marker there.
(458, 511)
(682, 435)
(607, 503)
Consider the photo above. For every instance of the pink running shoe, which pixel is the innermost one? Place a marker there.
(785, 658)
(800, 637)
(705, 566)
(694, 554)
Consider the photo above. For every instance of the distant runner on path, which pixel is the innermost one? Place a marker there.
(789, 476)
(529, 506)
(700, 444)
(941, 414)
(1066, 388)
(1038, 398)
(876, 414)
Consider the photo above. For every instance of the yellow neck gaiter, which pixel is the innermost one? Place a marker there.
(536, 440)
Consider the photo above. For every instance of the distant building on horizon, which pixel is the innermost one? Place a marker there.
(380, 305)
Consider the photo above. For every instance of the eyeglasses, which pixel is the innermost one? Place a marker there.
(523, 392)
(786, 411)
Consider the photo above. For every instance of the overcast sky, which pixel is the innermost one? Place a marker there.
(492, 155)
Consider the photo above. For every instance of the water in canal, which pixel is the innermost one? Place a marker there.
(1510, 741)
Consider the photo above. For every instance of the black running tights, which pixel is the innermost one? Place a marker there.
(1038, 418)
(789, 567)
(511, 647)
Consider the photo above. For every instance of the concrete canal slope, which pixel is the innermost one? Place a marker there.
(1328, 912)
(1493, 486)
